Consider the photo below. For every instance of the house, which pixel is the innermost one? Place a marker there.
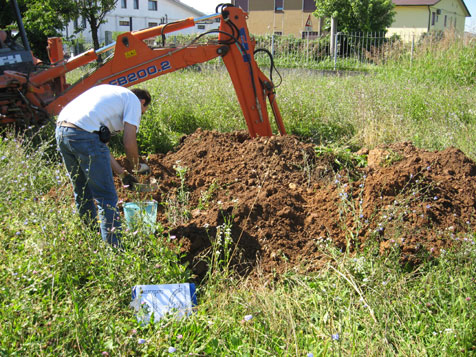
(419, 16)
(281, 17)
(132, 15)
(294, 17)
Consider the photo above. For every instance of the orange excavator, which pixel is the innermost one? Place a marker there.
(30, 94)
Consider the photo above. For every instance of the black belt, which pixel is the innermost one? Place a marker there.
(103, 132)
(69, 125)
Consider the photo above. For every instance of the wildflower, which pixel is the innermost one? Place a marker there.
(173, 237)
(435, 198)
(310, 354)
(172, 349)
(335, 337)
(17, 233)
(105, 353)
(468, 299)
(247, 317)
(179, 337)
(141, 341)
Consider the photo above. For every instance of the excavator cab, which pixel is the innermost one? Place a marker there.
(13, 56)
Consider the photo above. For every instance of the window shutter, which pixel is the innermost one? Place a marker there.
(243, 4)
(309, 5)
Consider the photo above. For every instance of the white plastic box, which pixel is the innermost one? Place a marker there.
(159, 300)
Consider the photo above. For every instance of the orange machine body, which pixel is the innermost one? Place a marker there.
(134, 62)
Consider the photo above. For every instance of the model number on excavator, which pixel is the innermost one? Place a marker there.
(141, 74)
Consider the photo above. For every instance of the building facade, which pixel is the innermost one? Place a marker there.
(132, 15)
(420, 16)
(282, 17)
(294, 17)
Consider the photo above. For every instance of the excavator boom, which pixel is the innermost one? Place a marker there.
(46, 92)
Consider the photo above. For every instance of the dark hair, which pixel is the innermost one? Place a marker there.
(142, 94)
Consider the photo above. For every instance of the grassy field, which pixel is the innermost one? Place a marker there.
(64, 293)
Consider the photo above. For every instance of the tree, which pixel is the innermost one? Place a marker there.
(357, 15)
(94, 12)
(41, 19)
(46, 18)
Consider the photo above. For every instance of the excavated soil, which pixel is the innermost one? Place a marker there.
(285, 203)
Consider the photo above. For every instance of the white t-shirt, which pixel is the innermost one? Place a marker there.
(106, 105)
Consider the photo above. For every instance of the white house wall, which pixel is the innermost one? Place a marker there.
(142, 17)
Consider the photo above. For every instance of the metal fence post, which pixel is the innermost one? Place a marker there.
(272, 44)
(335, 49)
(413, 49)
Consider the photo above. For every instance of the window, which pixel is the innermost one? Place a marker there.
(433, 16)
(243, 4)
(152, 24)
(124, 23)
(309, 34)
(445, 20)
(124, 4)
(278, 5)
(278, 33)
(136, 4)
(152, 5)
(308, 5)
(201, 27)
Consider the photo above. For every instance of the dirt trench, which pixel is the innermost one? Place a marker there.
(284, 203)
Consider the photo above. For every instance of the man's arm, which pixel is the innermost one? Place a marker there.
(130, 146)
(116, 167)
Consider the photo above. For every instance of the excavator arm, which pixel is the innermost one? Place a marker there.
(134, 62)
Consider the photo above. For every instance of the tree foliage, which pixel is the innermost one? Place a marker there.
(46, 18)
(41, 19)
(95, 11)
(357, 15)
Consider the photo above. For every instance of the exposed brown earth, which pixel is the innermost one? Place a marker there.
(284, 202)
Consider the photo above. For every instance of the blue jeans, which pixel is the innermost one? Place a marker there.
(88, 162)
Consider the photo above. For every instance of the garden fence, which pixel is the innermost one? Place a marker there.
(346, 51)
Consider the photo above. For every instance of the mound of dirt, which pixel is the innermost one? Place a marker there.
(284, 202)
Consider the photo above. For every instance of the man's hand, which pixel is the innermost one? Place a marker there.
(128, 180)
(143, 169)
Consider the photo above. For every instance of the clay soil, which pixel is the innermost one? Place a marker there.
(285, 203)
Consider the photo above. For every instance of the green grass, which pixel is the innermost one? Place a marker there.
(64, 293)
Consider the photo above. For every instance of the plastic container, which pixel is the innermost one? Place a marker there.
(141, 215)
